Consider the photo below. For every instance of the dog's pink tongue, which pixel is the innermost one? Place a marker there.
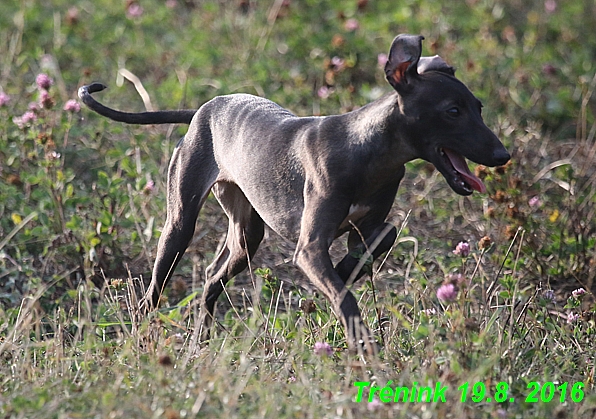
(460, 165)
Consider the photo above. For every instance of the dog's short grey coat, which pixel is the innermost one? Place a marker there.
(312, 179)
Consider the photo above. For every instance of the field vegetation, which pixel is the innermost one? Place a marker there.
(493, 290)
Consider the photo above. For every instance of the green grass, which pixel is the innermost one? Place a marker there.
(82, 204)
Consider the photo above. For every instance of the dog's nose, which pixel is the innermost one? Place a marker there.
(500, 157)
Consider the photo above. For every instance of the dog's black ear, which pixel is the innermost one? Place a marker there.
(435, 63)
(402, 64)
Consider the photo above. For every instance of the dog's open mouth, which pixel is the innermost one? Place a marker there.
(460, 178)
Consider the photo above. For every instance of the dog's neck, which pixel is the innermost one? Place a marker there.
(379, 126)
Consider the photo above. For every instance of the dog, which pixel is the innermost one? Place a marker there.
(312, 179)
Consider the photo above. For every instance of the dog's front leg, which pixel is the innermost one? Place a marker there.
(318, 228)
(377, 241)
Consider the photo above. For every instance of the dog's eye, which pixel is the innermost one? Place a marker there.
(453, 111)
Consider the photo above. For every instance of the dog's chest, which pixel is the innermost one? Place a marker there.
(355, 214)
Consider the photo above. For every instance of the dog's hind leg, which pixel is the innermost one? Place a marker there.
(245, 232)
(190, 177)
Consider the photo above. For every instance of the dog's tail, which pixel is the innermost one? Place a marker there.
(183, 116)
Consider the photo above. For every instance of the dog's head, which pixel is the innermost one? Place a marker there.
(443, 118)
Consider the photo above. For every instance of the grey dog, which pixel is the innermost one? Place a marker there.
(312, 179)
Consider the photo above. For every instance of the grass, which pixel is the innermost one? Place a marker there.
(82, 202)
